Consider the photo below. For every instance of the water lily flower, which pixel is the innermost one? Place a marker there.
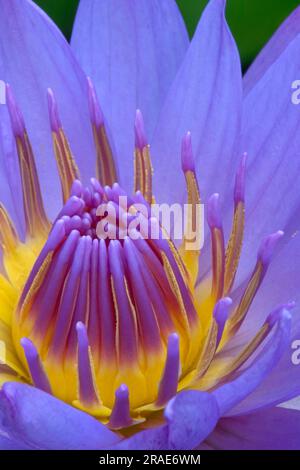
(138, 343)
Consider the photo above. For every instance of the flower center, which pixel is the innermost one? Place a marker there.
(109, 318)
(104, 313)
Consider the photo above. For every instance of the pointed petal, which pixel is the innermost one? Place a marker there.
(45, 422)
(34, 56)
(131, 50)
(205, 98)
(271, 139)
(287, 31)
(273, 429)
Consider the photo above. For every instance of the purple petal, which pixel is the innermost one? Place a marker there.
(271, 138)
(205, 98)
(273, 429)
(285, 34)
(10, 184)
(283, 382)
(232, 393)
(151, 439)
(190, 416)
(9, 443)
(45, 422)
(35, 56)
(131, 50)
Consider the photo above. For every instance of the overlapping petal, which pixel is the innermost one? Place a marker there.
(41, 421)
(273, 429)
(8, 443)
(205, 98)
(281, 285)
(190, 417)
(131, 50)
(271, 138)
(33, 56)
(287, 31)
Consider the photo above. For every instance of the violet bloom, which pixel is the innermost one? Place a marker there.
(103, 336)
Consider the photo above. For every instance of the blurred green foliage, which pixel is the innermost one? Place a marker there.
(62, 12)
(251, 21)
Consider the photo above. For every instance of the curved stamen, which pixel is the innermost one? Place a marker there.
(44, 302)
(88, 395)
(231, 365)
(94, 327)
(154, 287)
(8, 235)
(169, 381)
(67, 168)
(142, 164)
(55, 238)
(230, 393)
(214, 335)
(218, 250)
(120, 415)
(68, 299)
(35, 215)
(105, 166)
(263, 259)
(234, 246)
(190, 256)
(105, 297)
(38, 375)
(176, 274)
(221, 314)
(126, 317)
(188, 167)
(147, 322)
(82, 306)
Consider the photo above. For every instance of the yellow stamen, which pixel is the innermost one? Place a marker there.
(241, 310)
(143, 173)
(208, 350)
(218, 263)
(67, 168)
(8, 235)
(35, 216)
(221, 368)
(234, 246)
(191, 257)
(105, 166)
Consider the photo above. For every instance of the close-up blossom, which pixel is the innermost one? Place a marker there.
(136, 342)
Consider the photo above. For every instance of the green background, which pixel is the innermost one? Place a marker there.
(251, 21)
